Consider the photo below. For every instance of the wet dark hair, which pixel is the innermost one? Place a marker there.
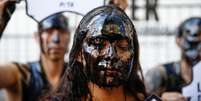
(73, 86)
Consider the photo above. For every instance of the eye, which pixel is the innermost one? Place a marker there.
(99, 43)
(52, 30)
(122, 44)
(49, 31)
(63, 32)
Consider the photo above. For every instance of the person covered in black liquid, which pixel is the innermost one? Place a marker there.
(27, 82)
(168, 79)
(104, 60)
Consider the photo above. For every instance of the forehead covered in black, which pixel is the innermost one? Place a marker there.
(57, 21)
(107, 21)
(93, 23)
(191, 29)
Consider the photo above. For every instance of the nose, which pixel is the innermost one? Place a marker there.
(56, 38)
(110, 52)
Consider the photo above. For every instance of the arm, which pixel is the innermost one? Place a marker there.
(173, 96)
(12, 78)
(9, 75)
(6, 9)
(123, 4)
(154, 80)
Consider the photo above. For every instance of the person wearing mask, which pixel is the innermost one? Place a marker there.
(104, 60)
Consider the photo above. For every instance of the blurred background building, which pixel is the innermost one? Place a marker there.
(155, 21)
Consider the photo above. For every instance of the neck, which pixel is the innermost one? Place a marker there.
(186, 71)
(185, 63)
(53, 70)
(106, 94)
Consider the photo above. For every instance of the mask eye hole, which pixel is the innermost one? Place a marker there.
(98, 43)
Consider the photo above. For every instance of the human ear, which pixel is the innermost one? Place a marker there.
(37, 37)
(80, 58)
(179, 41)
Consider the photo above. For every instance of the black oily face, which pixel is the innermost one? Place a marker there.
(108, 51)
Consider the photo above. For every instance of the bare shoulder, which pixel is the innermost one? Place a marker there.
(154, 71)
(154, 79)
(8, 68)
(14, 68)
(157, 71)
(10, 74)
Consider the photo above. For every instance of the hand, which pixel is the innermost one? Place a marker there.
(173, 96)
(3, 3)
(6, 9)
(6, 6)
(123, 4)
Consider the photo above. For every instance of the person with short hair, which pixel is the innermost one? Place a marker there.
(27, 82)
(168, 79)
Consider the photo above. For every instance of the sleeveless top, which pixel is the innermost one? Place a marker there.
(37, 84)
(174, 81)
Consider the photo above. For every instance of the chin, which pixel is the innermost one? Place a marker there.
(103, 82)
(57, 58)
(108, 86)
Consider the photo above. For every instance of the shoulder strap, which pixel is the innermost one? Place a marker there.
(31, 86)
(36, 83)
(174, 80)
(23, 69)
(172, 68)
